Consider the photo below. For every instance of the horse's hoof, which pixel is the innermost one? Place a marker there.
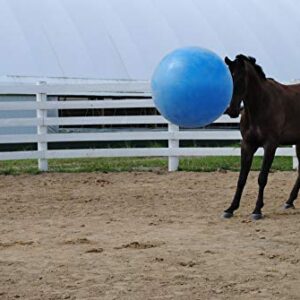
(256, 217)
(289, 206)
(227, 215)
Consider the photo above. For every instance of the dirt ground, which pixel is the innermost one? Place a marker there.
(145, 236)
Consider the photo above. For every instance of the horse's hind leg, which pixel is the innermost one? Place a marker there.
(295, 190)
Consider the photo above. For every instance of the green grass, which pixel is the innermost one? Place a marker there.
(204, 164)
(208, 164)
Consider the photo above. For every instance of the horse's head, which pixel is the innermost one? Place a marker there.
(237, 68)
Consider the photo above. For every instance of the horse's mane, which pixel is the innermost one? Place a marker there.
(252, 61)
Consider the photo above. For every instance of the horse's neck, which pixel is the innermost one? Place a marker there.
(255, 92)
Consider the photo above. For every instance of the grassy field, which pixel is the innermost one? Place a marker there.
(204, 164)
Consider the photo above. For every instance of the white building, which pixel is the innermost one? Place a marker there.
(91, 40)
(125, 39)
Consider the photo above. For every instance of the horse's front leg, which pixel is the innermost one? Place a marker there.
(263, 179)
(247, 152)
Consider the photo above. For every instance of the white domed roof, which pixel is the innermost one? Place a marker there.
(125, 39)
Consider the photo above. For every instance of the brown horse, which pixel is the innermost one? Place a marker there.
(270, 117)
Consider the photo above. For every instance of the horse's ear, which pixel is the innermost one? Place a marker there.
(228, 62)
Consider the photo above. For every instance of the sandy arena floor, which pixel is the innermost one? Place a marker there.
(145, 236)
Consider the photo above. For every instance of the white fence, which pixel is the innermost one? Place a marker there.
(173, 135)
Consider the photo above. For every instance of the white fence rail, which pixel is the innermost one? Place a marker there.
(173, 135)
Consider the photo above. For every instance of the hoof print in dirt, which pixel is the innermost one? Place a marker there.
(78, 241)
(138, 245)
(187, 264)
(95, 250)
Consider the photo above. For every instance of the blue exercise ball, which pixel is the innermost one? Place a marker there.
(191, 87)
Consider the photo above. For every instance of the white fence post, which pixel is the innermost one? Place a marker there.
(173, 162)
(42, 129)
(295, 159)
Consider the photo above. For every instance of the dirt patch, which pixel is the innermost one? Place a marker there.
(94, 250)
(145, 236)
(137, 245)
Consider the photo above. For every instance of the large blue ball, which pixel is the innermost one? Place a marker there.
(191, 87)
